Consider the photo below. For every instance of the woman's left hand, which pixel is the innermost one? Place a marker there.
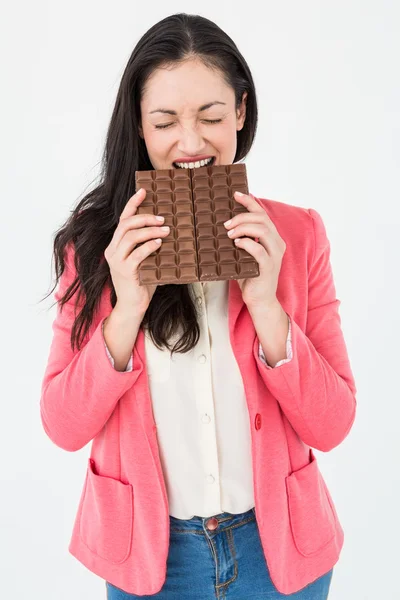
(268, 251)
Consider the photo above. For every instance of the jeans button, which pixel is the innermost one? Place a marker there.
(212, 523)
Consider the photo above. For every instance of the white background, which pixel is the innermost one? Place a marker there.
(327, 79)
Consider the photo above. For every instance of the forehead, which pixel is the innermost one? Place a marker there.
(188, 86)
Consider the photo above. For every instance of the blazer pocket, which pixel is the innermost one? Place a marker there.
(107, 516)
(311, 513)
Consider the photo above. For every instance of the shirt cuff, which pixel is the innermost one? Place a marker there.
(289, 350)
(128, 366)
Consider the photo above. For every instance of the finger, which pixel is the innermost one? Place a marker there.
(138, 237)
(259, 233)
(133, 223)
(249, 202)
(249, 229)
(256, 250)
(244, 217)
(133, 203)
(253, 206)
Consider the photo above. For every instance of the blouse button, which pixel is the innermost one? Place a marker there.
(210, 479)
(202, 358)
(206, 418)
(257, 421)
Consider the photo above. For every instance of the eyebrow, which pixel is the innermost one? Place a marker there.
(172, 112)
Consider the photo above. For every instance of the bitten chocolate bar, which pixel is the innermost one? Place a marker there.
(195, 203)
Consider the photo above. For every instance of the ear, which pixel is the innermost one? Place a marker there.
(241, 113)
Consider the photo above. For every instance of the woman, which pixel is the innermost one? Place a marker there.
(201, 481)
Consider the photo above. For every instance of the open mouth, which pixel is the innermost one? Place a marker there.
(210, 164)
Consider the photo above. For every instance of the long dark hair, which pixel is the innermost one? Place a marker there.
(92, 223)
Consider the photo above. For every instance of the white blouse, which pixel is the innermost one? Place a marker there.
(200, 410)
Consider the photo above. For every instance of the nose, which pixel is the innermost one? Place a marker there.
(191, 142)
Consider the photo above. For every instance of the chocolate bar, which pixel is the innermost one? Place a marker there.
(195, 203)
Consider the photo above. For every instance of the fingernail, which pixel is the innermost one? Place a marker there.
(228, 222)
(160, 218)
(239, 194)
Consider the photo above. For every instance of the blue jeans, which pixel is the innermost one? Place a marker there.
(226, 562)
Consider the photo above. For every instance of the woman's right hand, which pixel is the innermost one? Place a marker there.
(124, 258)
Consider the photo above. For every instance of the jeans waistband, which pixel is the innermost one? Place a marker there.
(225, 519)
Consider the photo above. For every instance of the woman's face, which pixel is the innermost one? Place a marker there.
(184, 132)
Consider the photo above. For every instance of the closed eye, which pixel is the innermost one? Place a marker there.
(205, 120)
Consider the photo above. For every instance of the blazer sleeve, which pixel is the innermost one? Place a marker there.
(80, 389)
(316, 389)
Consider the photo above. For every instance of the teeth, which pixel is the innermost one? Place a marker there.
(194, 165)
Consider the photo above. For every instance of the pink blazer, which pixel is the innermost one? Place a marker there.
(121, 530)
